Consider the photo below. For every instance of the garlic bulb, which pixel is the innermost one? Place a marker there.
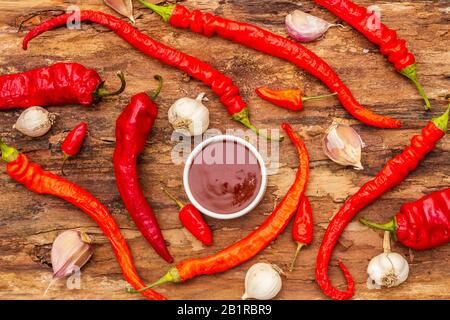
(71, 250)
(305, 27)
(262, 282)
(388, 269)
(189, 116)
(35, 122)
(342, 144)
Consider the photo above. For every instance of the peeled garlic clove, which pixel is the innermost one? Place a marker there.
(305, 27)
(189, 116)
(71, 250)
(34, 122)
(124, 7)
(342, 144)
(262, 282)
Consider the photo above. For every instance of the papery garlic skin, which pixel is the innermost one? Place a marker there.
(343, 145)
(305, 27)
(262, 282)
(71, 250)
(189, 116)
(124, 7)
(34, 122)
(388, 269)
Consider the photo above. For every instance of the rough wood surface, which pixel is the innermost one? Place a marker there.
(29, 222)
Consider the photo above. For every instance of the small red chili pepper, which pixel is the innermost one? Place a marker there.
(57, 85)
(133, 127)
(256, 241)
(272, 44)
(219, 83)
(378, 33)
(392, 174)
(302, 231)
(291, 99)
(193, 220)
(423, 224)
(34, 178)
(73, 142)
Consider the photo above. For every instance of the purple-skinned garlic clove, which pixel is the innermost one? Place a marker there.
(305, 27)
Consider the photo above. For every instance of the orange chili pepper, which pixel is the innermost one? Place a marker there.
(291, 99)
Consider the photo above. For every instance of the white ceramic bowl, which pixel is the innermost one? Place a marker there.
(262, 165)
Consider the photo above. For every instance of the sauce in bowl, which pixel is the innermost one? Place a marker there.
(225, 177)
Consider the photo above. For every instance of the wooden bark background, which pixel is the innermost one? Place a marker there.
(29, 222)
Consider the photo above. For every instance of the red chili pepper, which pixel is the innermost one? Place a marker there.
(302, 231)
(256, 241)
(56, 85)
(423, 224)
(193, 221)
(219, 83)
(33, 177)
(132, 130)
(392, 174)
(369, 25)
(291, 99)
(73, 142)
(265, 41)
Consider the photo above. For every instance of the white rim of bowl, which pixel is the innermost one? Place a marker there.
(253, 204)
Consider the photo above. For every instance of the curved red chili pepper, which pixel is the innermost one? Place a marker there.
(378, 33)
(392, 174)
(193, 220)
(256, 241)
(265, 41)
(302, 231)
(291, 99)
(219, 83)
(133, 127)
(56, 85)
(33, 177)
(73, 142)
(422, 224)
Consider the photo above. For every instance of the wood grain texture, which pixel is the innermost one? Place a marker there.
(29, 222)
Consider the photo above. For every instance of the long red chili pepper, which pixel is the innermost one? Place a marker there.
(33, 177)
(219, 83)
(392, 174)
(192, 220)
(291, 99)
(422, 224)
(73, 142)
(56, 85)
(256, 241)
(265, 41)
(378, 33)
(132, 130)
(302, 231)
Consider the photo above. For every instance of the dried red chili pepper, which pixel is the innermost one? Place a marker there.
(291, 99)
(265, 41)
(256, 241)
(73, 142)
(219, 83)
(33, 177)
(422, 224)
(56, 85)
(302, 231)
(133, 127)
(392, 174)
(390, 45)
(193, 220)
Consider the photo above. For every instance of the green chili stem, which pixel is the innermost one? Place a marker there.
(164, 11)
(171, 276)
(442, 121)
(300, 245)
(156, 93)
(8, 153)
(319, 97)
(242, 117)
(171, 196)
(390, 226)
(65, 158)
(101, 92)
(410, 73)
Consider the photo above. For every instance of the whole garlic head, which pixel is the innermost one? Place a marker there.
(189, 116)
(34, 122)
(262, 282)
